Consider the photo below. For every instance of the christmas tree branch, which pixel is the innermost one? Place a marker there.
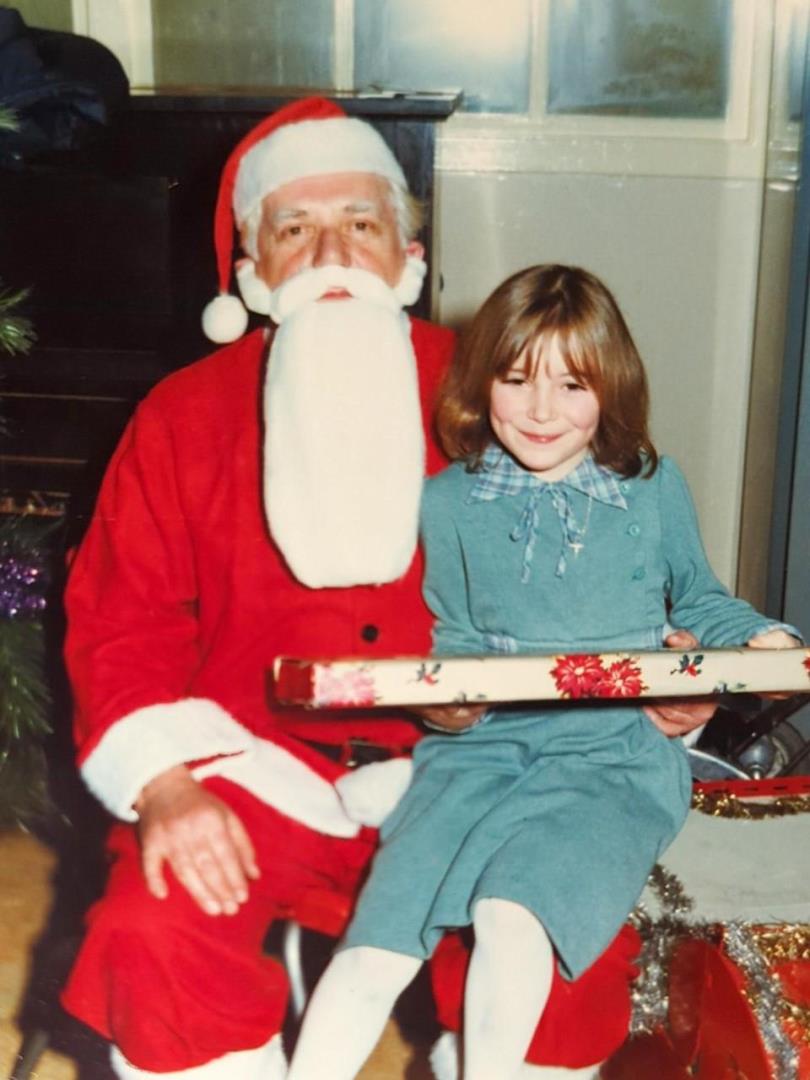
(25, 700)
(16, 333)
(8, 120)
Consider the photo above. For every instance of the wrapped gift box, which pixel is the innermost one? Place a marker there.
(417, 681)
(738, 872)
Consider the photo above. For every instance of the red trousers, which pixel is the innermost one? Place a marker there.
(174, 988)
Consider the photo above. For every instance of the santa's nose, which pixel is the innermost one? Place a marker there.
(330, 249)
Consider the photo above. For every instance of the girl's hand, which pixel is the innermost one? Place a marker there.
(774, 639)
(674, 718)
(451, 718)
(680, 717)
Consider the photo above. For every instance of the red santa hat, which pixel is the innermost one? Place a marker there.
(310, 137)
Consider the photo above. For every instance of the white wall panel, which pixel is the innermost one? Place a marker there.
(681, 256)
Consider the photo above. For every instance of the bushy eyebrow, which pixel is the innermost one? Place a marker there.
(288, 213)
(297, 213)
(364, 207)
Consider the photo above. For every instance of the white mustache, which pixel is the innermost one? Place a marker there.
(310, 285)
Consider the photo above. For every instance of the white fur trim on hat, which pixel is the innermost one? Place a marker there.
(267, 1062)
(311, 148)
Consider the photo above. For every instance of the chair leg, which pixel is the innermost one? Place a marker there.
(33, 1046)
(291, 951)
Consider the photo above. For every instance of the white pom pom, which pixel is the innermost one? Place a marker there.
(224, 319)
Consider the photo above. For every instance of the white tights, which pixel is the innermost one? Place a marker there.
(507, 989)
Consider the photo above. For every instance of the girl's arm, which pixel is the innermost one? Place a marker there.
(700, 603)
(445, 580)
(445, 589)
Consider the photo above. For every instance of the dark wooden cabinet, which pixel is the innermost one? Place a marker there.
(115, 242)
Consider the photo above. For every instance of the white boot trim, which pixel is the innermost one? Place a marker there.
(263, 1063)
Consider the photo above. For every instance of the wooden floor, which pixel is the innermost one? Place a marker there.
(26, 867)
(25, 895)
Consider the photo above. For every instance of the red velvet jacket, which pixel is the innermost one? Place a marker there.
(178, 600)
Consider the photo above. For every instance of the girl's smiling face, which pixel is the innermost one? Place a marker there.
(545, 416)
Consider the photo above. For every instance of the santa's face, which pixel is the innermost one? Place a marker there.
(343, 219)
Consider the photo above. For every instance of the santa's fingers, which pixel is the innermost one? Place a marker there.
(198, 869)
(222, 868)
(243, 846)
(199, 877)
(152, 859)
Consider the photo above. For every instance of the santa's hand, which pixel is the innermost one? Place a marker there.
(370, 793)
(675, 716)
(200, 838)
(451, 718)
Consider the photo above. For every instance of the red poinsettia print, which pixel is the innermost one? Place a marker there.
(577, 675)
(621, 680)
(354, 688)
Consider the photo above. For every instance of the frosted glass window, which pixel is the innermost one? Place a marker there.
(640, 57)
(45, 14)
(796, 51)
(477, 46)
(244, 43)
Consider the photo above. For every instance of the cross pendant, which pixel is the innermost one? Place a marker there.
(576, 546)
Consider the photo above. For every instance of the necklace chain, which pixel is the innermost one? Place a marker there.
(578, 533)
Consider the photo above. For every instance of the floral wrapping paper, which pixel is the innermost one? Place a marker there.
(415, 681)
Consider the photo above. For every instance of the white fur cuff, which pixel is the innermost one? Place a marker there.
(290, 786)
(148, 741)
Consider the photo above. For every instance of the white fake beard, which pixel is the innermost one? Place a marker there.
(344, 445)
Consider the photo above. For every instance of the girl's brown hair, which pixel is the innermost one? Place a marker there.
(531, 305)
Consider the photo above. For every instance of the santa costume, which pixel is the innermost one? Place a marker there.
(187, 586)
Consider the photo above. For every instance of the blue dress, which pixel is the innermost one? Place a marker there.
(563, 808)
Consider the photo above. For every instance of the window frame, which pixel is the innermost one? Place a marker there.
(736, 146)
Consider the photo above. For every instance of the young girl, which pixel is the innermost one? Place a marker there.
(557, 529)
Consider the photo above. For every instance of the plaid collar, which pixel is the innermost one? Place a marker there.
(501, 475)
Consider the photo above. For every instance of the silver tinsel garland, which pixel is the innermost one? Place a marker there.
(764, 993)
(661, 934)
